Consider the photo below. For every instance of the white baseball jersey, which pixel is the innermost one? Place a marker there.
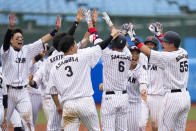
(33, 69)
(56, 56)
(115, 69)
(16, 64)
(136, 77)
(175, 66)
(71, 78)
(155, 76)
(40, 79)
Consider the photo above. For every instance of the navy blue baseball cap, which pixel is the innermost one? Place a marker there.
(119, 42)
(172, 37)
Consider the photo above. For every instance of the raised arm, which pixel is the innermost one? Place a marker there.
(95, 15)
(79, 18)
(108, 20)
(7, 37)
(49, 36)
(84, 40)
(143, 48)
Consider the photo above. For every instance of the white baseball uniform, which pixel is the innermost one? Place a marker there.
(39, 78)
(54, 120)
(137, 81)
(3, 91)
(15, 65)
(114, 106)
(154, 95)
(15, 118)
(71, 78)
(35, 94)
(176, 102)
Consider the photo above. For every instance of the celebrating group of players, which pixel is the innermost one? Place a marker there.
(138, 81)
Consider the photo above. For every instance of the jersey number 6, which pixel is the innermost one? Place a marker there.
(121, 67)
(69, 71)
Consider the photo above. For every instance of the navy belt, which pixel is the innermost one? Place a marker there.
(112, 92)
(176, 90)
(16, 87)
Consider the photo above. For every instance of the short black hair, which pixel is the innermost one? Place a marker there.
(16, 30)
(65, 43)
(57, 39)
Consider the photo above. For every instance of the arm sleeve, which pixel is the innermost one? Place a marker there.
(159, 58)
(7, 38)
(105, 43)
(73, 28)
(5, 101)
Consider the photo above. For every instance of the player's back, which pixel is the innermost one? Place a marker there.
(72, 75)
(115, 69)
(176, 68)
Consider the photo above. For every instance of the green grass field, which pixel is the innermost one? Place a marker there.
(42, 118)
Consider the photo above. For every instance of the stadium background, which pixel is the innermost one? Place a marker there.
(37, 17)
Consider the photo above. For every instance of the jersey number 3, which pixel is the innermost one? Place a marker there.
(121, 67)
(183, 66)
(69, 71)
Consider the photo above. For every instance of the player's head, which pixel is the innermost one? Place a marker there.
(152, 42)
(68, 45)
(171, 41)
(57, 39)
(135, 52)
(119, 42)
(16, 38)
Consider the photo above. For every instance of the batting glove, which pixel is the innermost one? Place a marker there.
(154, 29)
(125, 27)
(107, 19)
(88, 16)
(131, 32)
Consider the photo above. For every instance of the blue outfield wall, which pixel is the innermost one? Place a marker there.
(96, 76)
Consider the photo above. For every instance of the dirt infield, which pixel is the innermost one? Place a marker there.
(191, 126)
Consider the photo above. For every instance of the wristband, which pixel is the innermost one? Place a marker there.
(53, 32)
(37, 57)
(33, 86)
(140, 45)
(92, 30)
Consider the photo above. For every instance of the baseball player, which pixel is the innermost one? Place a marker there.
(54, 122)
(15, 118)
(15, 64)
(136, 89)
(155, 87)
(3, 104)
(174, 61)
(74, 69)
(36, 93)
(116, 64)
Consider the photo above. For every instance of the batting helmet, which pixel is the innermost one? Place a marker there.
(119, 42)
(152, 39)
